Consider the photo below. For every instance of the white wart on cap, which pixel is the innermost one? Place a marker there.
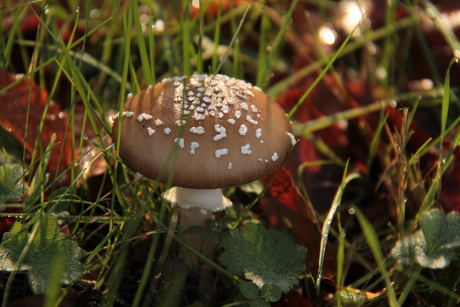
(203, 132)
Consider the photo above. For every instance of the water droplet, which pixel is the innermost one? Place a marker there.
(77, 9)
(84, 136)
(457, 55)
(94, 14)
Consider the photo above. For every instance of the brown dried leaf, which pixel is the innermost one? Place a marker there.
(25, 107)
(307, 230)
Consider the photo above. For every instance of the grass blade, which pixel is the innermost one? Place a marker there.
(374, 244)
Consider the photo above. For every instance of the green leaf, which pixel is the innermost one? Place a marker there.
(271, 292)
(11, 186)
(210, 234)
(432, 246)
(259, 302)
(264, 256)
(249, 289)
(46, 254)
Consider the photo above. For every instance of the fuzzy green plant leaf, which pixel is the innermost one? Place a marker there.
(271, 292)
(210, 234)
(46, 254)
(249, 290)
(264, 256)
(433, 246)
(11, 186)
(259, 302)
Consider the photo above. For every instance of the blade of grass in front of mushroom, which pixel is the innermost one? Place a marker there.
(119, 264)
(171, 160)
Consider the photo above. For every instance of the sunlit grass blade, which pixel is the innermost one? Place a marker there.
(186, 43)
(143, 51)
(326, 121)
(290, 80)
(376, 140)
(328, 222)
(321, 75)
(446, 30)
(374, 244)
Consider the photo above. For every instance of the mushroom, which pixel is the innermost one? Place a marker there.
(202, 133)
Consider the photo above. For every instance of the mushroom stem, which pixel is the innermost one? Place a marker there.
(195, 207)
(212, 200)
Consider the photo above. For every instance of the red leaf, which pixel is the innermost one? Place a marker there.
(292, 299)
(283, 188)
(23, 107)
(308, 233)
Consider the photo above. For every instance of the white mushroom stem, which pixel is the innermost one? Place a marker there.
(207, 200)
(195, 207)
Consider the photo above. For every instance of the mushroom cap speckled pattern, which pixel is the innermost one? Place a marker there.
(203, 132)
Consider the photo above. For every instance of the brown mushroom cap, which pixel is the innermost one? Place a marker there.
(207, 132)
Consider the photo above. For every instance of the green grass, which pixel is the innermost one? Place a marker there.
(88, 59)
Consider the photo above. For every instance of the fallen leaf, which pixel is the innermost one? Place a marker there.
(292, 299)
(307, 229)
(283, 188)
(26, 107)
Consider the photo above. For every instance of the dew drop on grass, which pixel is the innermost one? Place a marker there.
(457, 55)
(94, 14)
(85, 137)
(77, 9)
